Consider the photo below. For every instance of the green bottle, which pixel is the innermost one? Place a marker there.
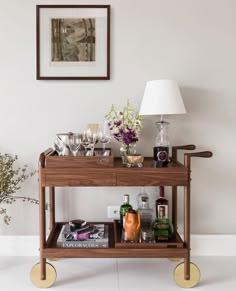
(123, 209)
(162, 227)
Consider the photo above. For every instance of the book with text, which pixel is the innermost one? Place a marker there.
(86, 243)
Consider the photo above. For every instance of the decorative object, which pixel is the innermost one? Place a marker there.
(132, 227)
(125, 126)
(73, 42)
(125, 150)
(11, 179)
(135, 160)
(98, 160)
(162, 97)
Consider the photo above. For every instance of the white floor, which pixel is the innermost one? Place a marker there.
(217, 273)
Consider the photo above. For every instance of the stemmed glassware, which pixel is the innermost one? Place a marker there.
(104, 135)
(92, 136)
(69, 143)
(85, 142)
(75, 141)
(89, 139)
(59, 146)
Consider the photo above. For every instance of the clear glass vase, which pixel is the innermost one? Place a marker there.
(127, 149)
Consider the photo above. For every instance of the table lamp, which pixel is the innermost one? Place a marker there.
(162, 97)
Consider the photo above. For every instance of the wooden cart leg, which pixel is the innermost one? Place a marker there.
(42, 231)
(174, 216)
(174, 207)
(187, 274)
(43, 274)
(187, 231)
(52, 212)
(52, 206)
(42, 268)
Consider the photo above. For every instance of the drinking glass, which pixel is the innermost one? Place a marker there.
(75, 141)
(104, 135)
(85, 142)
(59, 146)
(92, 135)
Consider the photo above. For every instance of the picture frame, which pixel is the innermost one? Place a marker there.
(73, 42)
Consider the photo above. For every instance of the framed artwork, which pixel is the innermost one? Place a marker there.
(73, 42)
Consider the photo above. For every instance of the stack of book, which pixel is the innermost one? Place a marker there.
(88, 236)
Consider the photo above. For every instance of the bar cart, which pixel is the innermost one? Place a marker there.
(59, 171)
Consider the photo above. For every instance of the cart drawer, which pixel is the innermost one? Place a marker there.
(151, 179)
(82, 179)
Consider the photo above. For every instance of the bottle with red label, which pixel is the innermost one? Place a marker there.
(161, 204)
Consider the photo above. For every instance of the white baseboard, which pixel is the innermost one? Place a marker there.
(201, 245)
(19, 245)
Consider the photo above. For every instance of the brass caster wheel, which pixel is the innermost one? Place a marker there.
(194, 276)
(53, 259)
(51, 275)
(174, 259)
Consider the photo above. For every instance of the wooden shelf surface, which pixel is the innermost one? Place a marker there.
(174, 248)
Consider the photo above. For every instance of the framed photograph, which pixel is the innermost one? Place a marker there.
(73, 42)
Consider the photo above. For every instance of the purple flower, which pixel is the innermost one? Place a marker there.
(117, 123)
(125, 125)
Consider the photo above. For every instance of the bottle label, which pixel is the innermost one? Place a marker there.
(162, 211)
(161, 154)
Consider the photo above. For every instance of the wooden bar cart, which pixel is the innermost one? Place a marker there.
(58, 171)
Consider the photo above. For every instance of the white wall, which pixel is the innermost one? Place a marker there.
(191, 41)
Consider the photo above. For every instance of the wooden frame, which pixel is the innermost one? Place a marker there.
(73, 42)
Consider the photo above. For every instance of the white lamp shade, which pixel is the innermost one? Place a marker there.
(162, 97)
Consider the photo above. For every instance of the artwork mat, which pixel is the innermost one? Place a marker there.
(100, 69)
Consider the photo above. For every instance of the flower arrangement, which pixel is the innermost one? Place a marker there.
(125, 124)
(11, 179)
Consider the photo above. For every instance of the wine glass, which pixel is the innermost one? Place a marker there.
(74, 143)
(85, 142)
(92, 135)
(104, 135)
(59, 146)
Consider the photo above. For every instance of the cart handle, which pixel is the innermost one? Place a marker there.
(188, 156)
(43, 156)
(189, 147)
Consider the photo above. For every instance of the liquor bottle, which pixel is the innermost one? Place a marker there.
(162, 144)
(123, 209)
(162, 227)
(146, 219)
(161, 201)
(142, 195)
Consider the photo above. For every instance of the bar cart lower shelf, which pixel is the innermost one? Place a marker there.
(51, 175)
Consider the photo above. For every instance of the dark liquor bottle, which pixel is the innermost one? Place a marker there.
(162, 227)
(162, 144)
(161, 156)
(123, 209)
(161, 202)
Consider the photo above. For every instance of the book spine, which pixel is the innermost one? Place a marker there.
(86, 244)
